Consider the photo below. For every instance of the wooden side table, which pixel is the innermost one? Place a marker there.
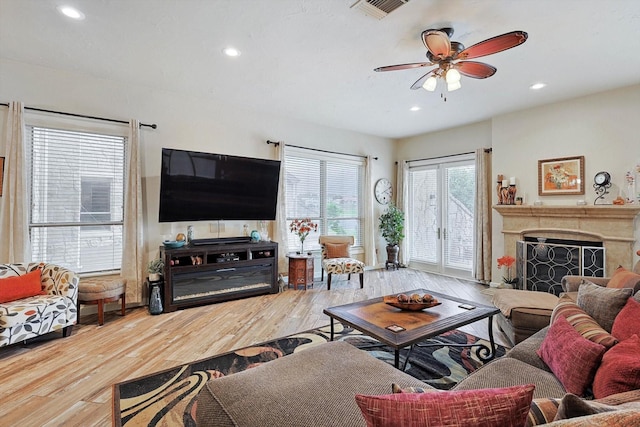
(300, 270)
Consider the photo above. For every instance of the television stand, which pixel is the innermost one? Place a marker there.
(210, 273)
(221, 240)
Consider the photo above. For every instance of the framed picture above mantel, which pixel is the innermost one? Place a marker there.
(561, 176)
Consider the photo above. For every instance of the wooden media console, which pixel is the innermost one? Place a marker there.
(209, 273)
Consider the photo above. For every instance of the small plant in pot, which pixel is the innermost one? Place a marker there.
(155, 268)
(392, 228)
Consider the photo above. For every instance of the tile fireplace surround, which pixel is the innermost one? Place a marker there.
(615, 226)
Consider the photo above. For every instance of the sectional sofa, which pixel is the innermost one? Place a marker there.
(335, 384)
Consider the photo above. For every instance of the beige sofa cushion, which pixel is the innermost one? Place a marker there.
(296, 390)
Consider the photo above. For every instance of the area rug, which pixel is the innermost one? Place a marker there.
(167, 398)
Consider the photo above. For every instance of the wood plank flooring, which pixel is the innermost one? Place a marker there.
(58, 381)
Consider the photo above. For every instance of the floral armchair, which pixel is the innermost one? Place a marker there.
(336, 258)
(56, 309)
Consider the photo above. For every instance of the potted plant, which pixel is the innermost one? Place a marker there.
(392, 228)
(155, 269)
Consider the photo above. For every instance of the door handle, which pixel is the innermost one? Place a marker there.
(438, 232)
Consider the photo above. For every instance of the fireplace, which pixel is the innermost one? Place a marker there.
(541, 263)
(611, 229)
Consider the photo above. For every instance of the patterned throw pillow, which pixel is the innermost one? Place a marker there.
(603, 304)
(499, 407)
(623, 278)
(18, 287)
(583, 323)
(542, 411)
(619, 370)
(337, 250)
(627, 321)
(572, 358)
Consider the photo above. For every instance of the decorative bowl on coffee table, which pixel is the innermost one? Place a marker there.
(409, 306)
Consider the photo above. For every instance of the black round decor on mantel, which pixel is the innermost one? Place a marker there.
(601, 184)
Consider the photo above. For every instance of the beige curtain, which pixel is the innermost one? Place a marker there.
(402, 201)
(14, 214)
(280, 227)
(133, 239)
(370, 235)
(482, 217)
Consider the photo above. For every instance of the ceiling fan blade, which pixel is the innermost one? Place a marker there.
(477, 70)
(437, 42)
(494, 45)
(418, 84)
(403, 66)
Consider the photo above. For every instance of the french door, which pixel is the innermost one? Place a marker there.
(441, 216)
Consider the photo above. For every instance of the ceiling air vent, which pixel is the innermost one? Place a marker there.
(378, 8)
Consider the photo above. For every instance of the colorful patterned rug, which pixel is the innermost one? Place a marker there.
(167, 398)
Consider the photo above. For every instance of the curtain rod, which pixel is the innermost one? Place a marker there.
(62, 113)
(276, 143)
(486, 150)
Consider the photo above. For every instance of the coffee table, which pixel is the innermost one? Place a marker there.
(375, 318)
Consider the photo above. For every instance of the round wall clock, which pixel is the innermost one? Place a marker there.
(383, 191)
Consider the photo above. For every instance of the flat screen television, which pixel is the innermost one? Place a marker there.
(198, 186)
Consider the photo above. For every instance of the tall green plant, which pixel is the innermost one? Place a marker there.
(392, 225)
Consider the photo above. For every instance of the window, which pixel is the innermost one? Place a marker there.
(441, 215)
(328, 189)
(77, 198)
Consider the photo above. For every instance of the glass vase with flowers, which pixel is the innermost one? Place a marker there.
(302, 228)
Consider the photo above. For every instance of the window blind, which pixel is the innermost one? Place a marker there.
(77, 198)
(328, 190)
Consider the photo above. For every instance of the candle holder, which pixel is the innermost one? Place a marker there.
(505, 195)
(511, 194)
(499, 190)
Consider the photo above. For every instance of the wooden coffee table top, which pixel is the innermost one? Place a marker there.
(373, 316)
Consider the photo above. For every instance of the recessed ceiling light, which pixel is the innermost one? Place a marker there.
(414, 108)
(537, 86)
(231, 51)
(71, 12)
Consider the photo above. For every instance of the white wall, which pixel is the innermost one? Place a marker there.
(193, 123)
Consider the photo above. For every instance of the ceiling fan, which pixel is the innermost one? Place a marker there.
(451, 58)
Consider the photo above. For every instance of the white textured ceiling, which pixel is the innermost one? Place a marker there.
(314, 59)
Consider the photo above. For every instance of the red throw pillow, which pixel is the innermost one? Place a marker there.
(571, 357)
(627, 322)
(619, 370)
(499, 407)
(14, 288)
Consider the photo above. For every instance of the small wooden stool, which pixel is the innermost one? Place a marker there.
(99, 292)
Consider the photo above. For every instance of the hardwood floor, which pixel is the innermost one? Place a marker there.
(67, 381)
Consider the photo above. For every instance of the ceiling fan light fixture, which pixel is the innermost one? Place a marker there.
(453, 86)
(430, 84)
(453, 76)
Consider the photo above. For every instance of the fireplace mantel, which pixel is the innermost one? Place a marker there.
(613, 225)
(599, 211)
